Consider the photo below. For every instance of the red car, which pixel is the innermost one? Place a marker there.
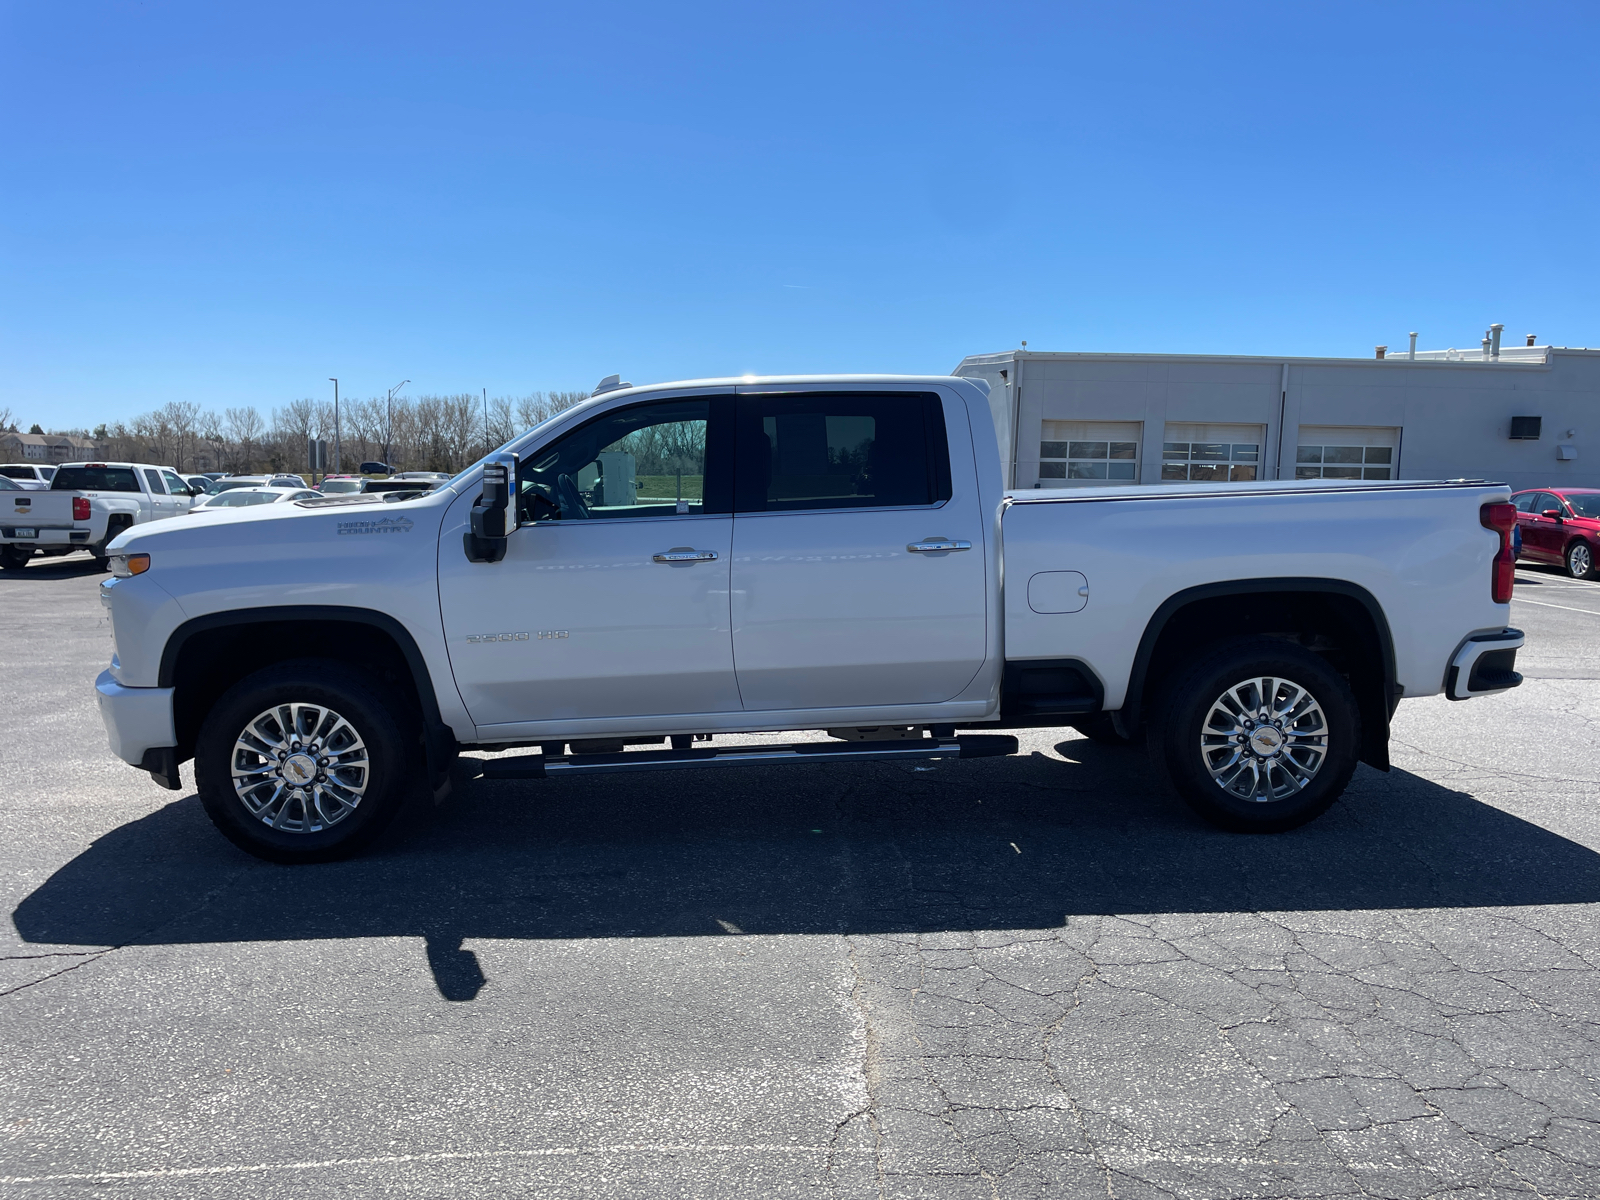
(1561, 525)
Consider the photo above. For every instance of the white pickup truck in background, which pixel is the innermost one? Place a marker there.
(28, 477)
(86, 506)
(663, 565)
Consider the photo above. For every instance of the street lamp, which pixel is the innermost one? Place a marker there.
(388, 427)
(336, 463)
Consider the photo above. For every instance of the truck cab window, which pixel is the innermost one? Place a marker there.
(95, 479)
(841, 451)
(649, 460)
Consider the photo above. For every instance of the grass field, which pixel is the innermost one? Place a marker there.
(658, 487)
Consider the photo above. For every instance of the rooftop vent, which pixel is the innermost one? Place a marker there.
(1531, 337)
(1382, 350)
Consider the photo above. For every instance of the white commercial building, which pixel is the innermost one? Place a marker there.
(1521, 415)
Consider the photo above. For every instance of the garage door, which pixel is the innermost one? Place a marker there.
(1211, 453)
(1347, 452)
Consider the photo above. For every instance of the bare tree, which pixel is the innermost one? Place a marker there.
(244, 430)
(180, 420)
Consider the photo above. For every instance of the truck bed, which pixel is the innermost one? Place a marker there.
(1416, 548)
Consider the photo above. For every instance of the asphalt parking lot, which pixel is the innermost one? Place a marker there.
(1025, 977)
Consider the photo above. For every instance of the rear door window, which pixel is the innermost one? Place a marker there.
(839, 450)
(153, 478)
(95, 479)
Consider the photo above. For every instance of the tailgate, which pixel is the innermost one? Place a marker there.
(48, 509)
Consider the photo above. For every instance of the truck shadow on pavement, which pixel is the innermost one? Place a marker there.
(67, 566)
(1019, 843)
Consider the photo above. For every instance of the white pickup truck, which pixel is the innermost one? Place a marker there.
(663, 565)
(86, 506)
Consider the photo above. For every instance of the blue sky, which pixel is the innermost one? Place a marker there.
(229, 203)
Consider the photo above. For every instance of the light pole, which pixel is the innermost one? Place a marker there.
(388, 427)
(336, 463)
(488, 444)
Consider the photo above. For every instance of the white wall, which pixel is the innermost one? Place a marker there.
(1454, 417)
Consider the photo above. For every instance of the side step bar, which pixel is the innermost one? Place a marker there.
(538, 766)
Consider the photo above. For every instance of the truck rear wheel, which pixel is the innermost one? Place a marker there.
(14, 558)
(301, 762)
(1257, 735)
(117, 524)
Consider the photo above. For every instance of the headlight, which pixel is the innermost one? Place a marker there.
(124, 565)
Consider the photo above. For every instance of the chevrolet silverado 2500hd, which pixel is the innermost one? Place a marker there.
(664, 563)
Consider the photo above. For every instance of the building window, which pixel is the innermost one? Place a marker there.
(1084, 453)
(1211, 453)
(1347, 452)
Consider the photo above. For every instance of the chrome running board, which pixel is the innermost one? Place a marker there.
(540, 766)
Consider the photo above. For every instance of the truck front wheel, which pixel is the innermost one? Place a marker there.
(301, 762)
(1257, 735)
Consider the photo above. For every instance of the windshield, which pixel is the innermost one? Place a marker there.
(240, 499)
(331, 487)
(95, 479)
(224, 485)
(1585, 504)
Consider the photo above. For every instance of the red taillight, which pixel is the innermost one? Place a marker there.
(1502, 518)
(80, 508)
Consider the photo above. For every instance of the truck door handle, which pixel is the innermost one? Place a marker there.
(936, 546)
(682, 554)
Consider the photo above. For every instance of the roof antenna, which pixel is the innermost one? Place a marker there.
(610, 383)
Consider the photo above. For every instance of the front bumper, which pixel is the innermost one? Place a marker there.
(138, 720)
(1484, 665)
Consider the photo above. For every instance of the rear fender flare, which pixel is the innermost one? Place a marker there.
(1375, 751)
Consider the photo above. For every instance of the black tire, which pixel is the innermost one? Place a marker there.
(1099, 728)
(308, 833)
(1579, 560)
(14, 558)
(1307, 777)
(115, 526)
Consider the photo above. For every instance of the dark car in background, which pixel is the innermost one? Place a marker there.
(1560, 526)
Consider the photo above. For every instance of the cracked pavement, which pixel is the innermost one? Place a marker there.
(1026, 977)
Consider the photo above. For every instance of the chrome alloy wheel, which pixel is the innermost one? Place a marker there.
(1580, 560)
(1264, 739)
(300, 768)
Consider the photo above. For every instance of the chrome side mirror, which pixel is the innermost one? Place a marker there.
(494, 516)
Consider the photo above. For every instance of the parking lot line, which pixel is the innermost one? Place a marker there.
(1564, 607)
